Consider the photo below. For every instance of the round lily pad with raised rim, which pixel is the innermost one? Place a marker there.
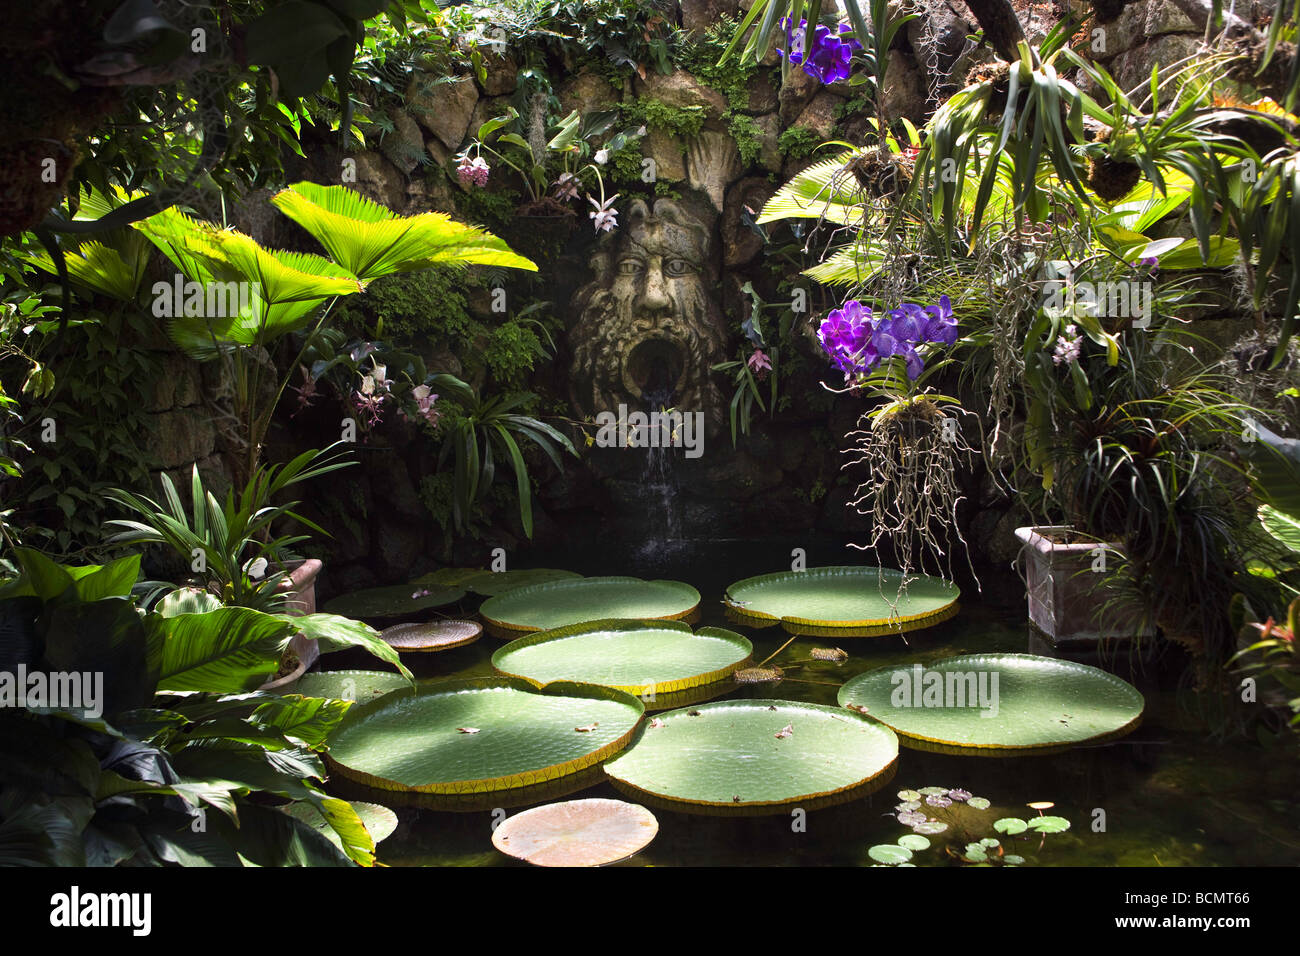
(543, 607)
(843, 601)
(492, 583)
(430, 636)
(736, 755)
(577, 833)
(482, 734)
(347, 685)
(1037, 703)
(634, 656)
(394, 602)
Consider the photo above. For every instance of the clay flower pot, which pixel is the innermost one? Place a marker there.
(301, 589)
(1068, 601)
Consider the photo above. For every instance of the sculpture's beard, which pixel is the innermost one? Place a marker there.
(628, 356)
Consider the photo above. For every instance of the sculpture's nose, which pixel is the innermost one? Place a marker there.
(655, 299)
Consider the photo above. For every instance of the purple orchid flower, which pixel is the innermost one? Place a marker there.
(907, 322)
(856, 340)
(846, 336)
(940, 325)
(826, 56)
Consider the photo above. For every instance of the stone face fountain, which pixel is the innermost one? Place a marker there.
(648, 325)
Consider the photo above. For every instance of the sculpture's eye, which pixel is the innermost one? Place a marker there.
(630, 267)
(678, 267)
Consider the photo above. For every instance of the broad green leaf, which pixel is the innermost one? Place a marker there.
(336, 633)
(308, 719)
(1282, 526)
(228, 650)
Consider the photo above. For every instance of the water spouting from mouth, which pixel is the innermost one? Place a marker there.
(658, 480)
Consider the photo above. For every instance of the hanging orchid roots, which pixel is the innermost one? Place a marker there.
(912, 450)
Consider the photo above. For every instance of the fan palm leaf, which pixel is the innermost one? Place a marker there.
(371, 241)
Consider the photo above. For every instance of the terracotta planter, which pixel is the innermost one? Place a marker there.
(301, 586)
(1067, 600)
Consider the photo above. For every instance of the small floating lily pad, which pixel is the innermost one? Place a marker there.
(577, 833)
(1049, 824)
(736, 754)
(429, 636)
(634, 656)
(991, 702)
(394, 602)
(347, 685)
(542, 607)
(889, 853)
(483, 734)
(842, 601)
(450, 577)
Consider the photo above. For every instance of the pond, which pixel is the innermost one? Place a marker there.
(1165, 795)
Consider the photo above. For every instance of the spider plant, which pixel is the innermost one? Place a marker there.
(233, 549)
(483, 432)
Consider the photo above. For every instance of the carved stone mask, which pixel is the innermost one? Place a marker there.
(648, 330)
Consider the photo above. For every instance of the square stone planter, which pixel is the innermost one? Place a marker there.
(1068, 601)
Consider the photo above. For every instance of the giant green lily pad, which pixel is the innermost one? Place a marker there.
(542, 607)
(841, 601)
(398, 601)
(635, 656)
(492, 583)
(735, 755)
(472, 736)
(489, 583)
(997, 702)
(347, 685)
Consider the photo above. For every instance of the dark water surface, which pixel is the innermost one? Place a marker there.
(1167, 795)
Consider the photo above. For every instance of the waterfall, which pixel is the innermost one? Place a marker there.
(658, 481)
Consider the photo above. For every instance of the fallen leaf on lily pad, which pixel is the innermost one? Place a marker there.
(786, 731)
(587, 729)
(657, 722)
(467, 730)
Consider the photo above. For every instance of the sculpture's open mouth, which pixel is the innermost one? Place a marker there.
(654, 370)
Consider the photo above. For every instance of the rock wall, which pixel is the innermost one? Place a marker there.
(786, 475)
